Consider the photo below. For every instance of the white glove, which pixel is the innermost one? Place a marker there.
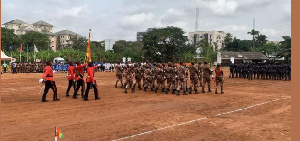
(212, 76)
(41, 80)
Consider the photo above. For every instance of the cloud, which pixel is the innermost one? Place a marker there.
(216, 7)
(172, 16)
(130, 22)
(228, 28)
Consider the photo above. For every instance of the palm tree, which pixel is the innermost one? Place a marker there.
(253, 33)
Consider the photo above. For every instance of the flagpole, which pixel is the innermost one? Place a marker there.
(27, 52)
(33, 52)
(55, 139)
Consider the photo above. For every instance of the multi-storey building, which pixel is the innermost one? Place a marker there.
(140, 35)
(63, 38)
(15, 25)
(214, 38)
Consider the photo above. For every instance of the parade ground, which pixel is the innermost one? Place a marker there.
(253, 110)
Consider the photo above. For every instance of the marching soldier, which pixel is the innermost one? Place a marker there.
(200, 74)
(159, 78)
(206, 77)
(182, 72)
(47, 78)
(119, 72)
(147, 77)
(219, 78)
(79, 79)
(138, 75)
(194, 78)
(91, 82)
(71, 78)
(170, 75)
(129, 79)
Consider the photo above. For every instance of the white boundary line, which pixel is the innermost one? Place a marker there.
(191, 121)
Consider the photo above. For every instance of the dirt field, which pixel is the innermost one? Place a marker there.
(249, 110)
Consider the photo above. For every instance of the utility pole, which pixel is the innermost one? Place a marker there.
(253, 34)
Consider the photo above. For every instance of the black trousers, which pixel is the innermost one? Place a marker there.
(71, 84)
(80, 83)
(50, 85)
(14, 70)
(4, 68)
(89, 85)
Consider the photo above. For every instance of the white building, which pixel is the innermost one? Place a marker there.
(214, 38)
(109, 43)
(63, 38)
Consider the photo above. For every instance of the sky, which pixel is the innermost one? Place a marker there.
(122, 19)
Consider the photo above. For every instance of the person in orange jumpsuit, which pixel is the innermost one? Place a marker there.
(79, 78)
(71, 78)
(91, 82)
(47, 78)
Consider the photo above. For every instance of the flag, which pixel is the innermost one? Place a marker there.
(27, 49)
(21, 48)
(35, 48)
(88, 57)
(10, 47)
(59, 134)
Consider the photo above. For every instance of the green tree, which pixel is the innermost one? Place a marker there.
(254, 33)
(42, 41)
(9, 38)
(227, 39)
(78, 43)
(164, 44)
(285, 48)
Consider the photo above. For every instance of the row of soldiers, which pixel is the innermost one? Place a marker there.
(30, 67)
(167, 77)
(265, 71)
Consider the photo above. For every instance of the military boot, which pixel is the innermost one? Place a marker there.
(145, 88)
(173, 91)
(222, 92)
(178, 92)
(196, 91)
(125, 91)
(216, 91)
(167, 90)
(203, 90)
(116, 85)
(185, 93)
(190, 90)
(155, 90)
(209, 90)
(139, 87)
(163, 89)
(132, 90)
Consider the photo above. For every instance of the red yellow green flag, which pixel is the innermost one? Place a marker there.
(88, 56)
(59, 134)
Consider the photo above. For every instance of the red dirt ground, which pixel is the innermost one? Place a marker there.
(117, 115)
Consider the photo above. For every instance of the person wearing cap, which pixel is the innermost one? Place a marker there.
(119, 72)
(91, 82)
(206, 76)
(47, 78)
(79, 79)
(219, 78)
(71, 78)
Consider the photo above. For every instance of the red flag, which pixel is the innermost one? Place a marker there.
(219, 72)
(21, 48)
(57, 132)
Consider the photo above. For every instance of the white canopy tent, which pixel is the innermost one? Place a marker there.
(5, 57)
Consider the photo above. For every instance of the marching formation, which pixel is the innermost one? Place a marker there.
(168, 77)
(75, 76)
(265, 71)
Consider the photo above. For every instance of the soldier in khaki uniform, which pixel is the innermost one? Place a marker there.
(194, 78)
(129, 78)
(119, 72)
(200, 75)
(219, 78)
(206, 77)
(182, 73)
(170, 76)
(137, 75)
(147, 77)
(159, 77)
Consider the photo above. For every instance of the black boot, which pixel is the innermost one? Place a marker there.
(163, 89)
(173, 91)
(145, 88)
(125, 91)
(196, 91)
(155, 90)
(177, 92)
(116, 85)
(185, 93)
(203, 90)
(222, 92)
(209, 90)
(216, 92)
(167, 90)
(139, 87)
(132, 90)
(190, 90)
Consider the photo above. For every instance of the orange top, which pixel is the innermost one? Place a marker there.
(80, 70)
(48, 73)
(90, 72)
(71, 73)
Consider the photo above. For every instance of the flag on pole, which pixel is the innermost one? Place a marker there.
(21, 48)
(35, 48)
(58, 133)
(10, 47)
(27, 49)
(88, 57)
